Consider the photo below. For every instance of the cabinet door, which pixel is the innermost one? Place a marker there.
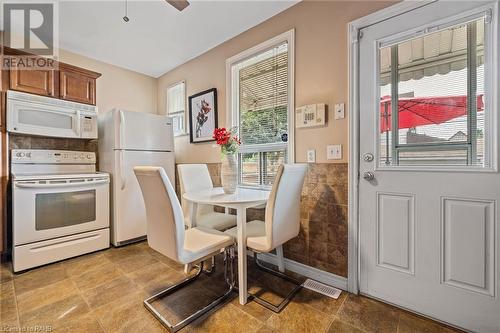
(77, 87)
(36, 81)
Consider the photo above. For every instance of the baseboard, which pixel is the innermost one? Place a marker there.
(330, 279)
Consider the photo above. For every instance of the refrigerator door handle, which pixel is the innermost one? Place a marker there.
(120, 170)
(122, 129)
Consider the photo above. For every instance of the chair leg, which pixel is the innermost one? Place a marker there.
(287, 299)
(281, 259)
(230, 280)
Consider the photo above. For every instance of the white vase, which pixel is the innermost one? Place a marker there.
(229, 173)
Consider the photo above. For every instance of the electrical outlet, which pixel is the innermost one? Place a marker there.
(334, 152)
(339, 112)
(311, 156)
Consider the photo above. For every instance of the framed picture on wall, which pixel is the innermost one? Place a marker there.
(202, 115)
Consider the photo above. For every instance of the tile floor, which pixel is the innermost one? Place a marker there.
(103, 292)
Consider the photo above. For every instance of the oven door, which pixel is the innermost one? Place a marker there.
(46, 209)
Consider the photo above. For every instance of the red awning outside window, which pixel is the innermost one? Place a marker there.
(419, 111)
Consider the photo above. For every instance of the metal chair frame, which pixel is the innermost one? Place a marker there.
(287, 299)
(229, 276)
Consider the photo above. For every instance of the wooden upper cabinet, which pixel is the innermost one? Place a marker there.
(40, 82)
(77, 85)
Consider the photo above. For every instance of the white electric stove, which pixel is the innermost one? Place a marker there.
(60, 206)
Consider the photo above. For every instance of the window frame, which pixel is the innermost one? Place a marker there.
(490, 158)
(232, 95)
(185, 130)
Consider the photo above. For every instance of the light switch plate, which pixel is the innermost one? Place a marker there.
(334, 152)
(311, 156)
(339, 112)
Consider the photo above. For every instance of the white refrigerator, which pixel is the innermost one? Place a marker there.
(128, 139)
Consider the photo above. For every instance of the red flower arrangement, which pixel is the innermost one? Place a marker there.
(227, 139)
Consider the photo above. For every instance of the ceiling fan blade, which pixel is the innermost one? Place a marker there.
(178, 4)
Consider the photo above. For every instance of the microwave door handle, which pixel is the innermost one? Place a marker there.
(78, 120)
(66, 184)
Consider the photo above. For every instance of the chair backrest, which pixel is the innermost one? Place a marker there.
(165, 222)
(283, 207)
(192, 178)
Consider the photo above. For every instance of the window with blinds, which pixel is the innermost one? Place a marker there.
(263, 115)
(176, 107)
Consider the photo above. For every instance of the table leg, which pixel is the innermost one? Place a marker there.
(242, 254)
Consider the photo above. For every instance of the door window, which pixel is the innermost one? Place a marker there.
(432, 99)
(56, 210)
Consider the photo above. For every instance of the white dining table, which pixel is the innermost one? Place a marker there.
(242, 199)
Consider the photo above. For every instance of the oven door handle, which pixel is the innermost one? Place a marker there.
(65, 184)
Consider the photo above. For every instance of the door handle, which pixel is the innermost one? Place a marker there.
(368, 176)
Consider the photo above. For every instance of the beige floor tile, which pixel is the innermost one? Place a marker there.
(299, 318)
(69, 308)
(413, 324)
(120, 253)
(54, 292)
(135, 262)
(150, 325)
(95, 277)
(340, 327)
(39, 278)
(320, 302)
(7, 289)
(80, 265)
(266, 329)
(162, 282)
(109, 291)
(369, 315)
(84, 324)
(124, 314)
(226, 319)
(157, 271)
(8, 306)
(254, 309)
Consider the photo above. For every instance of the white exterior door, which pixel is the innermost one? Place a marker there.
(429, 186)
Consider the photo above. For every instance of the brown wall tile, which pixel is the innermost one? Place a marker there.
(18, 141)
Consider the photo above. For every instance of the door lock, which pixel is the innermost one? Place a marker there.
(368, 157)
(368, 176)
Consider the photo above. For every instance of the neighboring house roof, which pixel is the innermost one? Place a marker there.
(412, 137)
(459, 136)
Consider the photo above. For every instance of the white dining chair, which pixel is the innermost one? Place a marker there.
(166, 234)
(195, 177)
(282, 223)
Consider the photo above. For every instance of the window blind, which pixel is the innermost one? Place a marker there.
(175, 98)
(176, 105)
(263, 115)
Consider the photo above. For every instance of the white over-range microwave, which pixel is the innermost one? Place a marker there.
(46, 116)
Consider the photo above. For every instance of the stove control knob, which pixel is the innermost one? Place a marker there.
(89, 156)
